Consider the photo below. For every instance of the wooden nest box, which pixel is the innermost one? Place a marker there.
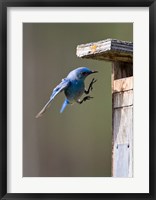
(120, 53)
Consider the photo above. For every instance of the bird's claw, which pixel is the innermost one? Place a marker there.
(90, 86)
(87, 98)
(92, 82)
(84, 99)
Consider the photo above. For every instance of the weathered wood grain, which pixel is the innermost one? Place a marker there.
(123, 118)
(123, 142)
(122, 70)
(123, 84)
(109, 50)
(122, 99)
(121, 162)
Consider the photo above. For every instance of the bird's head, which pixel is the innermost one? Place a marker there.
(81, 73)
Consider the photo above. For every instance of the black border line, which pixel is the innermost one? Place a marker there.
(4, 4)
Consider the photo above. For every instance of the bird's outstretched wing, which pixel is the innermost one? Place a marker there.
(59, 88)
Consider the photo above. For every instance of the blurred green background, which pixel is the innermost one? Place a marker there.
(78, 142)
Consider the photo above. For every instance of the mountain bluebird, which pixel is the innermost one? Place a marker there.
(73, 87)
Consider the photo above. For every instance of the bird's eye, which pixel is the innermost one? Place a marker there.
(84, 73)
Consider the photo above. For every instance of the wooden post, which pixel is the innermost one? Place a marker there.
(120, 53)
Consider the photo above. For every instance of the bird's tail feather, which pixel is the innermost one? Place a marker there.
(44, 109)
(66, 102)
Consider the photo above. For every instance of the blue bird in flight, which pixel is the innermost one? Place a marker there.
(73, 87)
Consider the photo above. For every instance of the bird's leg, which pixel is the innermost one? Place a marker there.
(87, 92)
(84, 99)
(90, 86)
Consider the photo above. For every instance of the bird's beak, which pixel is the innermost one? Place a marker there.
(94, 72)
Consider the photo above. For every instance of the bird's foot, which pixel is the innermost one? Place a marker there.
(92, 82)
(90, 88)
(85, 99)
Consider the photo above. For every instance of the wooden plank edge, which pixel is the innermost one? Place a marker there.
(123, 84)
(104, 48)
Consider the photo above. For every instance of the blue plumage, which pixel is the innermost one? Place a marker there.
(73, 87)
